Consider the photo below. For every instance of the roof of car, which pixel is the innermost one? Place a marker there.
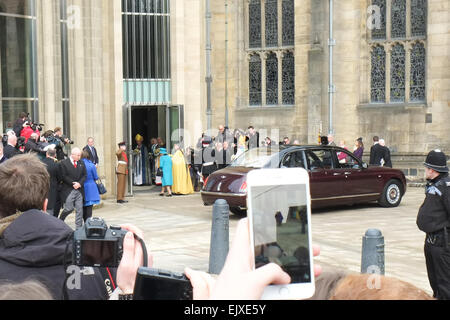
(306, 146)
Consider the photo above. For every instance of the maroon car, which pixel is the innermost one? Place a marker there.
(332, 181)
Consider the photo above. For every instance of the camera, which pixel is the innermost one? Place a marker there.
(37, 126)
(157, 284)
(97, 245)
(33, 125)
(20, 142)
(69, 141)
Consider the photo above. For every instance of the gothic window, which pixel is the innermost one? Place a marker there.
(417, 81)
(418, 18)
(398, 73)
(271, 17)
(272, 79)
(254, 9)
(379, 30)
(288, 22)
(271, 32)
(398, 19)
(288, 79)
(378, 75)
(255, 78)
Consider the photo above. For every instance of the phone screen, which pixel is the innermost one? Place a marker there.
(280, 227)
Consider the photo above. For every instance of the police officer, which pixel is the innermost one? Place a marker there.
(434, 220)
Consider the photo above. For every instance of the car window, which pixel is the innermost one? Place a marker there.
(347, 161)
(293, 160)
(257, 158)
(319, 159)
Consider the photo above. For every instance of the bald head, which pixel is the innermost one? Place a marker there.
(12, 140)
(34, 136)
(90, 142)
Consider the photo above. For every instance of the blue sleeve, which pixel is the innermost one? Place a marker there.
(94, 173)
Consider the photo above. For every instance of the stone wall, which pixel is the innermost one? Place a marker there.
(95, 75)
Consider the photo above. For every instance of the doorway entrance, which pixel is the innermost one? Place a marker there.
(150, 121)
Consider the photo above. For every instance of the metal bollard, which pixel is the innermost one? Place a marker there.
(372, 258)
(220, 235)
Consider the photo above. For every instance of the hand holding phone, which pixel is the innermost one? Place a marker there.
(238, 279)
(279, 210)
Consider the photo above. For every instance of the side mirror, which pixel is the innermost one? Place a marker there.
(364, 165)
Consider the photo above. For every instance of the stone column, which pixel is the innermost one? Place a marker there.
(388, 49)
(49, 63)
(407, 47)
(263, 57)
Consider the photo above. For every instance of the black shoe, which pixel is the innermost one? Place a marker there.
(122, 201)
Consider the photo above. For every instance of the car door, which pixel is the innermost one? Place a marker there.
(358, 183)
(325, 184)
(293, 159)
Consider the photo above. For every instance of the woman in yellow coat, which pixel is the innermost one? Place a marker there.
(182, 183)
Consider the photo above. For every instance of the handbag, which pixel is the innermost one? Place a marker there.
(101, 188)
(159, 172)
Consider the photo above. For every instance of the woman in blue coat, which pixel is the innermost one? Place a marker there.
(91, 194)
(165, 163)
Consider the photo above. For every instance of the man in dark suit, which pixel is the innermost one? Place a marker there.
(51, 162)
(18, 125)
(93, 155)
(387, 154)
(73, 174)
(10, 149)
(253, 138)
(376, 152)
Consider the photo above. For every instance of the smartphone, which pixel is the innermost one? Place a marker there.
(279, 212)
(157, 284)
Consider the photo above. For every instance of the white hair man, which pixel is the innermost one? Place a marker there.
(73, 174)
(10, 149)
(331, 140)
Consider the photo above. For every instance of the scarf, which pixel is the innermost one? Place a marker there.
(5, 222)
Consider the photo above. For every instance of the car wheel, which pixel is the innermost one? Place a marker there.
(392, 194)
(239, 212)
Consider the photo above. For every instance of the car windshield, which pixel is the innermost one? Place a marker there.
(257, 158)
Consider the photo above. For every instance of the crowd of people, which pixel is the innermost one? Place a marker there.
(73, 173)
(380, 154)
(182, 171)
